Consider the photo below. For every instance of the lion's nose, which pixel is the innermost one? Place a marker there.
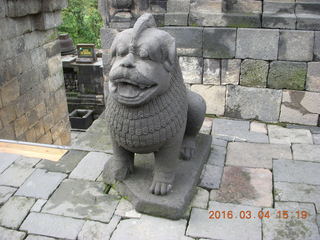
(128, 61)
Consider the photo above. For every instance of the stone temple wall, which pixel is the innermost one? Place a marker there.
(33, 104)
(249, 59)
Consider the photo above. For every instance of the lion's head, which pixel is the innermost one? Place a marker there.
(143, 58)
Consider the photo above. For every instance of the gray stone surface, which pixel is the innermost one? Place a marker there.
(66, 164)
(97, 230)
(291, 47)
(173, 205)
(149, 227)
(14, 211)
(211, 176)
(257, 44)
(298, 192)
(15, 175)
(256, 155)
(200, 226)
(279, 20)
(206, 126)
(290, 75)
(308, 21)
(235, 130)
(123, 208)
(219, 42)
(217, 156)
(52, 225)
(296, 171)
(200, 199)
(214, 97)
(258, 127)
(8, 234)
(176, 19)
(300, 107)
(316, 138)
(253, 103)
(230, 71)
(245, 186)
(191, 68)
(316, 50)
(216, 141)
(188, 40)
(313, 129)
(40, 184)
(313, 76)
(306, 152)
(6, 160)
(211, 71)
(90, 166)
(281, 135)
(81, 199)
(38, 205)
(6, 193)
(37, 237)
(279, 228)
(254, 73)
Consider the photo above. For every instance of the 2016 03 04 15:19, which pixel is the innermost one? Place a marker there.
(247, 214)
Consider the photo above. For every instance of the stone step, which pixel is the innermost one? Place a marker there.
(308, 8)
(243, 6)
(279, 20)
(308, 21)
(278, 7)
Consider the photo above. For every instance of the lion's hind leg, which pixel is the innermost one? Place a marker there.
(196, 115)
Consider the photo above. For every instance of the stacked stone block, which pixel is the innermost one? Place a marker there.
(33, 103)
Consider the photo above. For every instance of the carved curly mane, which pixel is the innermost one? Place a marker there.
(153, 123)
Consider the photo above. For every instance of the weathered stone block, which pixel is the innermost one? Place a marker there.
(316, 51)
(219, 42)
(211, 177)
(48, 20)
(52, 225)
(176, 19)
(308, 8)
(296, 45)
(247, 186)
(300, 107)
(279, 20)
(254, 73)
(211, 71)
(178, 5)
(21, 125)
(6, 193)
(11, 234)
(306, 152)
(214, 97)
(188, 40)
(16, 9)
(278, 7)
(230, 71)
(15, 175)
(313, 77)
(191, 68)
(280, 135)
(290, 75)
(256, 155)
(253, 103)
(243, 7)
(257, 44)
(10, 92)
(107, 36)
(308, 21)
(54, 5)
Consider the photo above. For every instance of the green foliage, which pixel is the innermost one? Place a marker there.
(82, 21)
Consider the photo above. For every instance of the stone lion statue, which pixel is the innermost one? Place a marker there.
(149, 109)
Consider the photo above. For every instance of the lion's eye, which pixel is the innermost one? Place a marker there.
(143, 54)
(122, 52)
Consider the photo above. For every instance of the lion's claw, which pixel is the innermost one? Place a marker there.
(188, 148)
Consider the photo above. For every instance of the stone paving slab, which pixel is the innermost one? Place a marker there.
(8, 234)
(6, 159)
(306, 152)
(292, 227)
(15, 175)
(200, 199)
(82, 199)
(245, 186)
(98, 231)
(14, 211)
(313, 129)
(218, 142)
(200, 226)
(211, 176)
(40, 184)
(256, 155)
(126, 210)
(206, 126)
(90, 166)
(6, 193)
(281, 135)
(217, 156)
(235, 130)
(52, 225)
(258, 127)
(27, 162)
(149, 227)
(298, 192)
(316, 138)
(296, 171)
(35, 237)
(66, 164)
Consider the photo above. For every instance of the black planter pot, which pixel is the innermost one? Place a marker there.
(81, 118)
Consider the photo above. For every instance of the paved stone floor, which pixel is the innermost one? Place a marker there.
(260, 182)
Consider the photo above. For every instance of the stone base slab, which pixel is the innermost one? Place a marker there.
(136, 186)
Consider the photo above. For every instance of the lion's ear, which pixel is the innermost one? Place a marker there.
(171, 55)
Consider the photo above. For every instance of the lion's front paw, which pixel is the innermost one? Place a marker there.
(188, 148)
(160, 188)
(117, 170)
